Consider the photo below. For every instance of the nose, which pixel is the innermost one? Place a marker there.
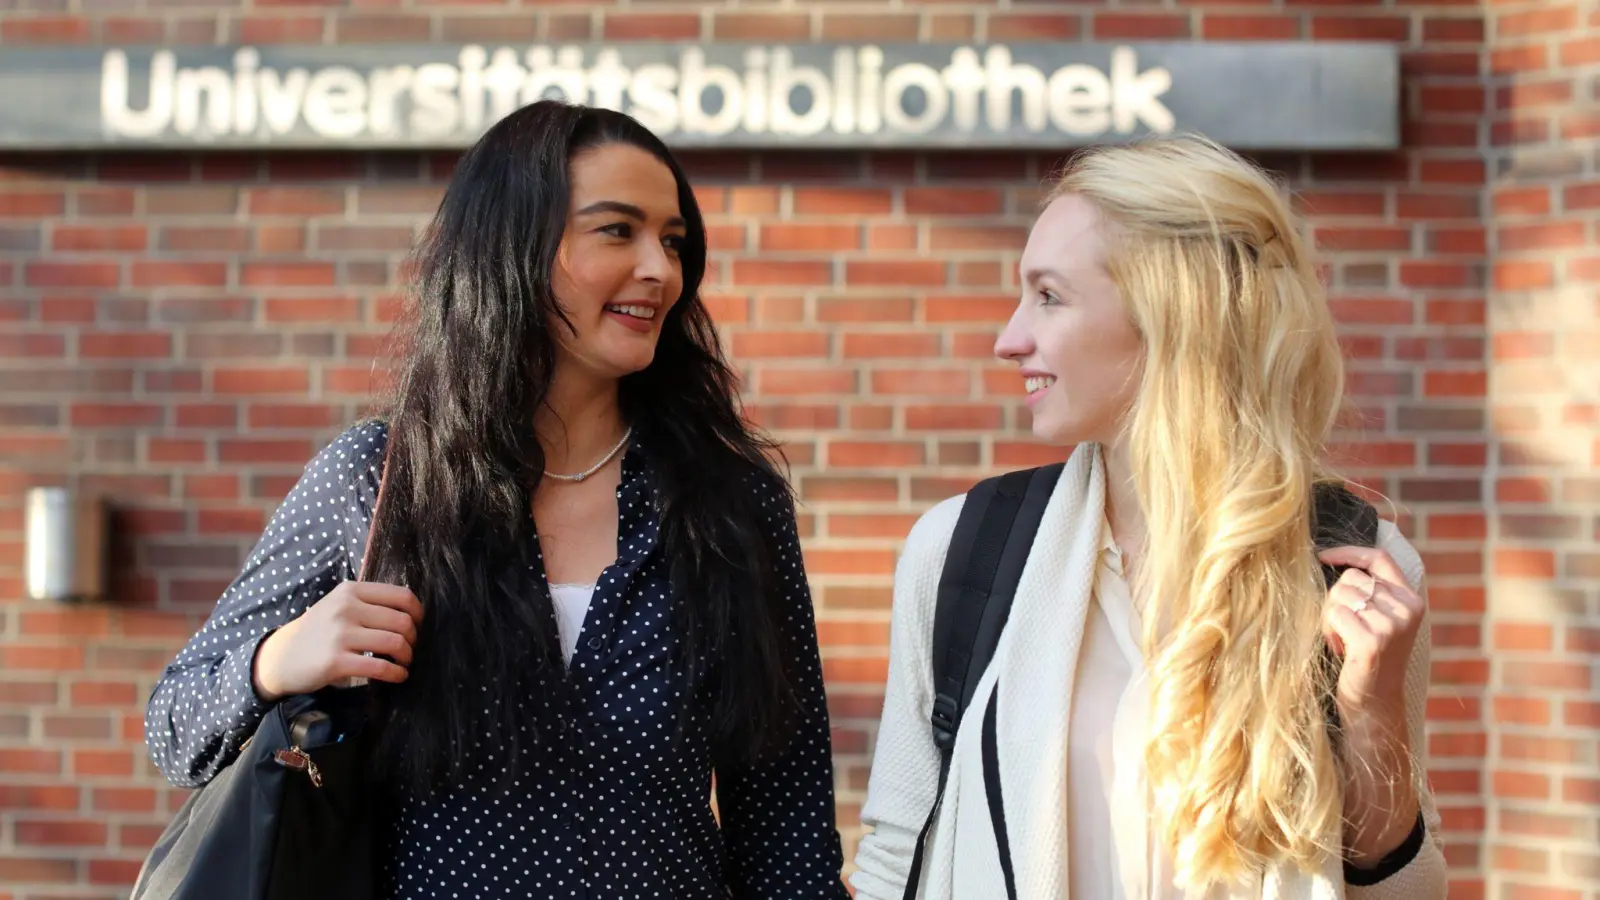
(653, 265)
(1015, 342)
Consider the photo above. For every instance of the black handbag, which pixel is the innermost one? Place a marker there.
(291, 818)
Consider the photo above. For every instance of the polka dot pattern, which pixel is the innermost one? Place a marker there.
(614, 806)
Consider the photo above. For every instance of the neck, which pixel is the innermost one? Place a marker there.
(1122, 502)
(580, 422)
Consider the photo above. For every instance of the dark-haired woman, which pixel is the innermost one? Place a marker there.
(604, 603)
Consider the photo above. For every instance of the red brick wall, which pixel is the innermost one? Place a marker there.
(183, 330)
(1542, 633)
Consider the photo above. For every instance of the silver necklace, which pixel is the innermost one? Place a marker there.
(597, 466)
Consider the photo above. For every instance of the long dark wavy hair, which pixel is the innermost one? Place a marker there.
(476, 358)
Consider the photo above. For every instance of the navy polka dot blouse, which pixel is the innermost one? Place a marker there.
(614, 808)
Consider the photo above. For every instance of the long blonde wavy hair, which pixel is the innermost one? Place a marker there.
(1241, 386)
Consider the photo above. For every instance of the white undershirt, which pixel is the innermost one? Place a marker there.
(572, 604)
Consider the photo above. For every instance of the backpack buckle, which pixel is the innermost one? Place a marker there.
(944, 717)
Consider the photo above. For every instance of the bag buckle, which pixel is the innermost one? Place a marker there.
(295, 758)
(944, 721)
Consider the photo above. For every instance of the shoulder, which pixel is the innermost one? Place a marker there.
(929, 538)
(346, 468)
(358, 448)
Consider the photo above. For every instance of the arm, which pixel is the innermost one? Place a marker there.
(905, 765)
(205, 704)
(778, 817)
(1396, 855)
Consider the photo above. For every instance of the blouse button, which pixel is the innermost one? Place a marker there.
(596, 643)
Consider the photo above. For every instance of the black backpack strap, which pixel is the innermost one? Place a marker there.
(1341, 518)
(988, 549)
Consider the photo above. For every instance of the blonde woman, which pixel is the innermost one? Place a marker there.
(1178, 706)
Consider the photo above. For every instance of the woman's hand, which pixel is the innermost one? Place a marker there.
(1371, 620)
(331, 641)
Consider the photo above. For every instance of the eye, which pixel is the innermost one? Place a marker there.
(1048, 297)
(674, 242)
(620, 229)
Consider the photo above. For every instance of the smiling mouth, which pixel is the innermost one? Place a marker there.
(1035, 383)
(637, 311)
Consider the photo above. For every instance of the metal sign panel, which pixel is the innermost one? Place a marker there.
(1292, 95)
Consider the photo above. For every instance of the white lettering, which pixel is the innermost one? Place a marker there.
(336, 101)
(1003, 78)
(563, 72)
(856, 90)
(965, 79)
(608, 79)
(911, 75)
(871, 89)
(436, 112)
(387, 86)
(121, 121)
(1080, 100)
(282, 98)
(216, 86)
(696, 78)
(471, 60)
(844, 86)
(244, 90)
(1134, 94)
(755, 91)
(653, 103)
(784, 81)
(504, 79)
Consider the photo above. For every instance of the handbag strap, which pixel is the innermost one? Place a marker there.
(372, 523)
(365, 571)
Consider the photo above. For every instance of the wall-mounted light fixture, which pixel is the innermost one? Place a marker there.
(67, 550)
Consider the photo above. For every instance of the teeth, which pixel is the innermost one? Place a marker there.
(638, 312)
(1038, 382)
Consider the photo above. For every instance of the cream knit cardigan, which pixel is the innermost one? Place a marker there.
(1036, 659)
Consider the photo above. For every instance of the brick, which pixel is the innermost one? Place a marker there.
(1140, 26)
(809, 238)
(1218, 27)
(286, 274)
(895, 273)
(294, 201)
(831, 201)
(34, 870)
(126, 345)
(45, 30)
(286, 29)
(620, 26)
(39, 797)
(880, 27)
(30, 761)
(1551, 18)
(1543, 236)
(869, 345)
(780, 344)
(953, 201)
(966, 237)
(750, 272)
(94, 239)
(737, 26)
(300, 310)
(85, 274)
(240, 450)
(261, 381)
(116, 415)
(60, 833)
(32, 204)
(1523, 275)
(1034, 26)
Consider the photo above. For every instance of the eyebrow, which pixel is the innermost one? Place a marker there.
(626, 209)
(1031, 275)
